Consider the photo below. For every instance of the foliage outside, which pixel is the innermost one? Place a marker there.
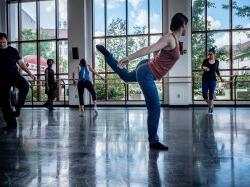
(199, 45)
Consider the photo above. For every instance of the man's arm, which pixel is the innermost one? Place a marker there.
(25, 68)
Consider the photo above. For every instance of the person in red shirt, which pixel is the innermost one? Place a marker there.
(167, 52)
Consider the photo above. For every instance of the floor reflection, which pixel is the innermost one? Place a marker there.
(64, 148)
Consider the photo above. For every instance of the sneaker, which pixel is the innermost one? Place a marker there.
(96, 109)
(210, 110)
(158, 146)
(81, 108)
(17, 112)
(51, 109)
(103, 50)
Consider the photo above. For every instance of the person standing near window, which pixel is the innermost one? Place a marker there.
(85, 81)
(11, 77)
(50, 84)
(210, 68)
(167, 52)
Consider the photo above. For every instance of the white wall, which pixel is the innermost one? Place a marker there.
(79, 33)
(180, 93)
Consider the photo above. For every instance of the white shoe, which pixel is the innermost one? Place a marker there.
(81, 108)
(96, 109)
(210, 111)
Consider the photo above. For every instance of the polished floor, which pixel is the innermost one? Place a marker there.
(62, 148)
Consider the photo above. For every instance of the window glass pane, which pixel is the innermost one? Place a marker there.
(116, 87)
(134, 92)
(222, 91)
(13, 22)
(116, 17)
(98, 17)
(154, 39)
(241, 15)
(100, 89)
(63, 56)
(117, 46)
(160, 89)
(241, 50)
(198, 15)
(138, 17)
(28, 14)
(99, 62)
(47, 51)
(47, 19)
(29, 55)
(197, 85)
(243, 84)
(63, 88)
(134, 44)
(220, 40)
(14, 45)
(217, 14)
(63, 18)
(198, 50)
(155, 16)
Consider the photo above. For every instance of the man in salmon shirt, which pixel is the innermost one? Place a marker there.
(166, 53)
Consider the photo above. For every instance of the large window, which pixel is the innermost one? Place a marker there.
(124, 27)
(38, 29)
(224, 24)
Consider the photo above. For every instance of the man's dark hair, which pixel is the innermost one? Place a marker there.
(50, 60)
(178, 20)
(3, 35)
(82, 62)
(212, 50)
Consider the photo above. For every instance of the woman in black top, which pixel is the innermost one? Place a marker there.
(50, 84)
(210, 68)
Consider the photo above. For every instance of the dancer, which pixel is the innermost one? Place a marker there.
(85, 81)
(167, 52)
(210, 66)
(50, 84)
(10, 77)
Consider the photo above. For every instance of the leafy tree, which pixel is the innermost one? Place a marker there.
(198, 40)
(117, 46)
(30, 48)
(46, 51)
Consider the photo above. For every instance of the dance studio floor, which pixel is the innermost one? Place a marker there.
(62, 148)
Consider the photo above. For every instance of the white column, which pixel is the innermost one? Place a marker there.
(180, 93)
(80, 36)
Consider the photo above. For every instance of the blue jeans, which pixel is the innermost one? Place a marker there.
(144, 76)
(208, 89)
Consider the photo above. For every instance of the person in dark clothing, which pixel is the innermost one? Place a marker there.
(50, 85)
(210, 68)
(85, 81)
(10, 77)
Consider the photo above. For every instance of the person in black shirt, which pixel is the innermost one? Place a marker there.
(50, 84)
(10, 77)
(210, 68)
